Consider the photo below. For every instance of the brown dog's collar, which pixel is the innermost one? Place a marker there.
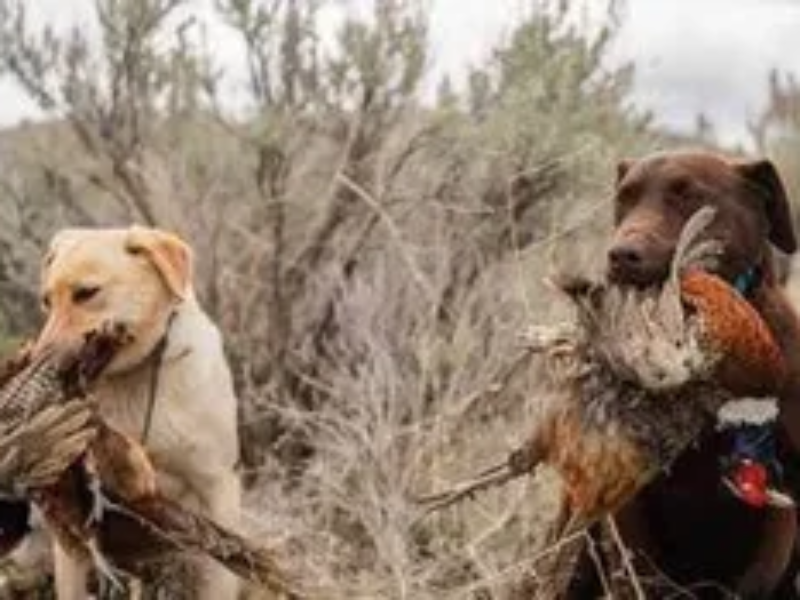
(747, 282)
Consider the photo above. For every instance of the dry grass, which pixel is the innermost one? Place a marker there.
(411, 413)
(371, 261)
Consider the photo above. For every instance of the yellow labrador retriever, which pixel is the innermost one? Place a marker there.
(171, 388)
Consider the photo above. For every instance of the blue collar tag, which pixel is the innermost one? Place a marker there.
(746, 282)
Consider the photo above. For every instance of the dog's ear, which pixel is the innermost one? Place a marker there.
(763, 177)
(623, 167)
(170, 255)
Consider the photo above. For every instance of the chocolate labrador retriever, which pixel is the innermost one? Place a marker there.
(686, 524)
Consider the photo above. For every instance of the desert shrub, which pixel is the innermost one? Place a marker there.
(776, 134)
(370, 257)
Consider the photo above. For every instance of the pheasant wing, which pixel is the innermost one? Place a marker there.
(45, 423)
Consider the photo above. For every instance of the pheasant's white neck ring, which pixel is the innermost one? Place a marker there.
(157, 359)
(747, 411)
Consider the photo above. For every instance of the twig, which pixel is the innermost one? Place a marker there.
(625, 555)
(591, 548)
(519, 463)
(499, 380)
(394, 231)
(229, 549)
(536, 341)
(526, 563)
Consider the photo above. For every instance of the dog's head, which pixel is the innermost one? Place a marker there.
(131, 277)
(655, 197)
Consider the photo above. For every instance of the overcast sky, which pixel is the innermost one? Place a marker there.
(691, 55)
(712, 56)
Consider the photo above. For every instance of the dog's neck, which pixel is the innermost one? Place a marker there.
(156, 360)
(171, 345)
(769, 298)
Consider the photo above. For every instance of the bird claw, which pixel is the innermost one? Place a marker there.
(99, 502)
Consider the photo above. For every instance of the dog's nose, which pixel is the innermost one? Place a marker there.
(625, 257)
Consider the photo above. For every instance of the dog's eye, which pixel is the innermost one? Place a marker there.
(45, 300)
(680, 187)
(84, 293)
(623, 203)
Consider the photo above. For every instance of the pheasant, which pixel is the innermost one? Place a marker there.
(45, 422)
(642, 376)
(96, 487)
(110, 509)
(636, 379)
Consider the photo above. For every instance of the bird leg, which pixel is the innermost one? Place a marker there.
(520, 462)
(108, 575)
(104, 567)
(117, 464)
(627, 558)
(100, 504)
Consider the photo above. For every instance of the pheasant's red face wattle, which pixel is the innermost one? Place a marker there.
(750, 480)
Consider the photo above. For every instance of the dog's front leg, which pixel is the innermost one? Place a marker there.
(772, 556)
(223, 503)
(71, 575)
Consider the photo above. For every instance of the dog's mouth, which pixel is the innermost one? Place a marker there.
(653, 272)
(643, 258)
(642, 277)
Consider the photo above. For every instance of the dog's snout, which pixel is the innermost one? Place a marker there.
(625, 257)
(638, 261)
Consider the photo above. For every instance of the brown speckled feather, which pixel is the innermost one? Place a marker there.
(639, 380)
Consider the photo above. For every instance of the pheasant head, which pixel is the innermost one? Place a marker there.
(750, 361)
